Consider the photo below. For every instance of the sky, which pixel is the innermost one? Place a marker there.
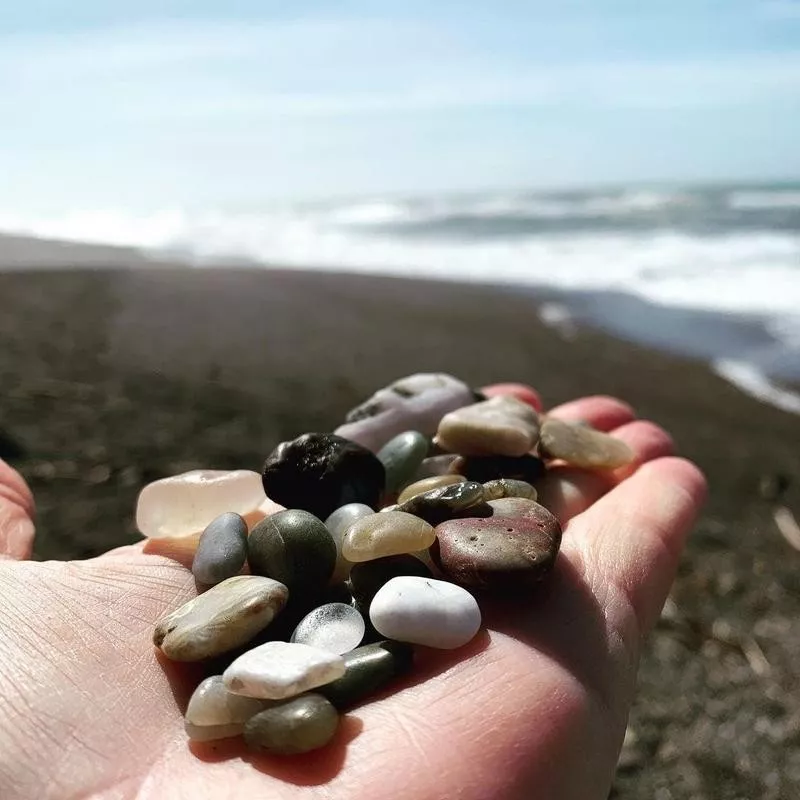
(155, 103)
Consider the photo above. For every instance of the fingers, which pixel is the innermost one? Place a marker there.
(518, 390)
(632, 538)
(601, 412)
(16, 514)
(567, 491)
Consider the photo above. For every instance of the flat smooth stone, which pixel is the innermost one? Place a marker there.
(417, 402)
(502, 426)
(428, 484)
(183, 505)
(228, 615)
(293, 547)
(333, 627)
(211, 733)
(387, 533)
(401, 457)
(337, 525)
(212, 704)
(319, 472)
(513, 549)
(508, 487)
(368, 669)
(487, 468)
(222, 549)
(437, 505)
(425, 611)
(368, 577)
(297, 726)
(582, 446)
(277, 670)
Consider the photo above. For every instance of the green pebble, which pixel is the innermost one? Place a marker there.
(299, 725)
(401, 458)
(367, 670)
(294, 545)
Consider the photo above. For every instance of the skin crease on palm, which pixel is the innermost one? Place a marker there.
(534, 707)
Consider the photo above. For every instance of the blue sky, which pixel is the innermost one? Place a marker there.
(159, 103)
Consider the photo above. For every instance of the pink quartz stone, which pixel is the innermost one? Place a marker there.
(183, 505)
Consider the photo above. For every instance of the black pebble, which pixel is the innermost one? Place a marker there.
(319, 472)
(488, 468)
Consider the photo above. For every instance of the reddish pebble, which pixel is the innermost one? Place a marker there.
(513, 549)
(518, 390)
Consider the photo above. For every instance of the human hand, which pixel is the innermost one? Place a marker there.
(534, 707)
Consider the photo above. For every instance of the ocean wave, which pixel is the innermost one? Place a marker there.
(747, 378)
(762, 200)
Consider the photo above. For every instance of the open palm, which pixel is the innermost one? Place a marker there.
(534, 707)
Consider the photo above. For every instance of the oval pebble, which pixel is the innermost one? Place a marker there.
(277, 670)
(416, 402)
(514, 548)
(435, 465)
(297, 726)
(401, 457)
(425, 611)
(222, 549)
(368, 669)
(293, 547)
(334, 627)
(428, 484)
(319, 472)
(337, 525)
(185, 504)
(582, 446)
(228, 615)
(386, 534)
(215, 713)
(502, 426)
(508, 487)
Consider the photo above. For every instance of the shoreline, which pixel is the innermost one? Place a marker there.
(112, 378)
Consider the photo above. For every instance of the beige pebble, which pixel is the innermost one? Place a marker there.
(427, 484)
(388, 533)
(226, 616)
(582, 446)
(502, 425)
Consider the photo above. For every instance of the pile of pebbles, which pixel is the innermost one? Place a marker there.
(374, 539)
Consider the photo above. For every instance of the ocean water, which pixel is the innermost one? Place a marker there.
(712, 271)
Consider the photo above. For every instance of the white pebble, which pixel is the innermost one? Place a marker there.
(277, 670)
(425, 611)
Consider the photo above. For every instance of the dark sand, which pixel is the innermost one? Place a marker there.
(110, 379)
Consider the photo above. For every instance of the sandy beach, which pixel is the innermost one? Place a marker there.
(116, 371)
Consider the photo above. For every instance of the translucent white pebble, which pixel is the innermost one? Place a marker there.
(425, 611)
(277, 670)
(212, 704)
(335, 627)
(183, 505)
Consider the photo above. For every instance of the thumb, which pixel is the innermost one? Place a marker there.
(16, 514)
